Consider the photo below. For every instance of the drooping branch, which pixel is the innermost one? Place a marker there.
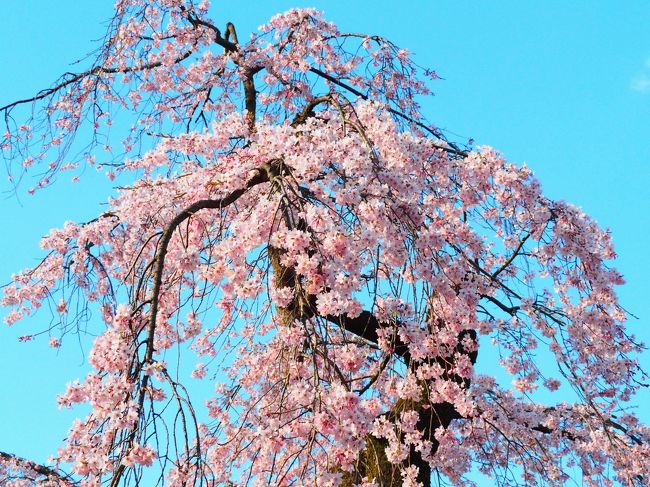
(159, 267)
(451, 148)
(607, 423)
(161, 252)
(96, 71)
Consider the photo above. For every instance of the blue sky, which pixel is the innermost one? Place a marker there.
(562, 86)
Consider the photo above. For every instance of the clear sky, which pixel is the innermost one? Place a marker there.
(562, 86)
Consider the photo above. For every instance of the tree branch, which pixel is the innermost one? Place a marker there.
(43, 470)
(365, 326)
(159, 267)
(452, 148)
(97, 70)
(166, 237)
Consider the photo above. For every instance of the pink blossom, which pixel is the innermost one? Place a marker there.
(339, 265)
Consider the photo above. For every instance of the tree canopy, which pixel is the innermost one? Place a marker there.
(289, 226)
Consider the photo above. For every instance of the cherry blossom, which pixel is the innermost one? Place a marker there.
(289, 229)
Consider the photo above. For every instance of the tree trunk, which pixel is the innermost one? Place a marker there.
(373, 463)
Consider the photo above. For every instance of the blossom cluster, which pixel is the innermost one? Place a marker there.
(334, 265)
